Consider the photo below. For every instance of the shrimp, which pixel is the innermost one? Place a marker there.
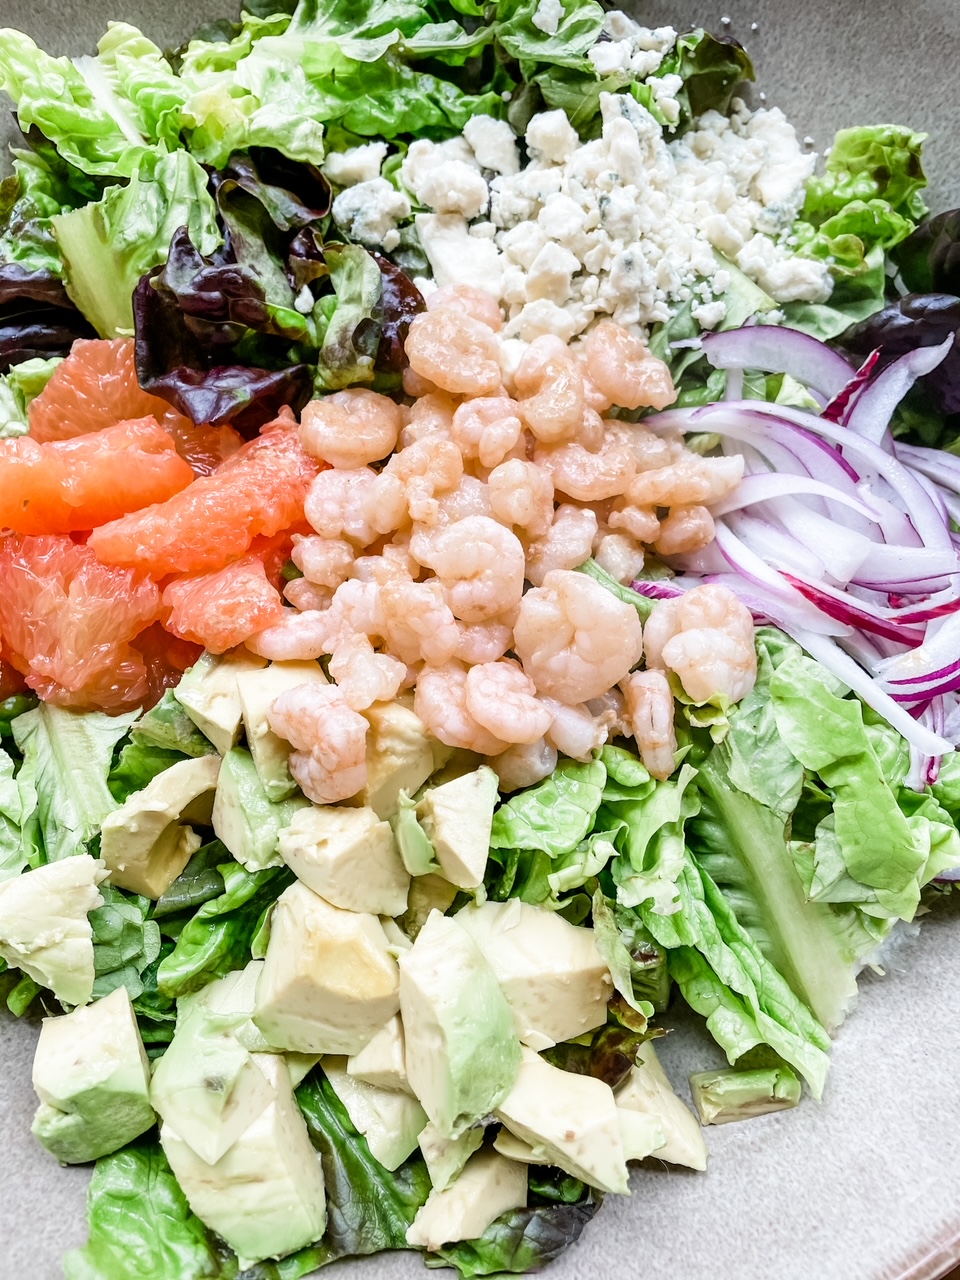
(393, 564)
(621, 368)
(503, 700)
(649, 709)
(483, 641)
(307, 596)
(550, 386)
(464, 298)
(418, 623)
(691, 479)
(299, 637)
(350, 429)
(575, 731)
(649, 450)
(523, 765)
(566, 544)
(480, 564)
(640, 523)
(487, 429)
(685, 529)
(456, 352)
(706, 637)
(586, 476)
(430, 415)
(334, 505)
(431, 466)
(470, 498)
(441, 703)
(414, 385)
(363, 676)
(521, 495)
(575, 639)
(324, 561)
(620, 556)
(329, 738)
(383, 505)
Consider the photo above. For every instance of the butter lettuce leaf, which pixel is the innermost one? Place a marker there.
(556, 814)
(125, 942)
(869, 162)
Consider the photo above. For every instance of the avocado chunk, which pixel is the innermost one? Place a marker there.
(456, 818)
(570, 1121)
(445, 1157)
(382, 1061)
(427, 893)
(245, 819)
(415, 849)
(462, 1052)
(647, 1089)
(553, 976)
(330, 979)
(92, 1077)
(391, 1122)
(167, 725)
(724, 1096)
(207, 1087)
(258, 691)
(349, 857)
(44, 928)
(146, 842)
(488, 1186)
(208, 693)
(400, 757)
(265, 1195)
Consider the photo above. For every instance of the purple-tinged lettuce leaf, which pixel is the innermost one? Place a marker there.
(37, 319)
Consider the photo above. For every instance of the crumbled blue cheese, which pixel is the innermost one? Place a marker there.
(371, 211)
(547, 16)
(356, 164)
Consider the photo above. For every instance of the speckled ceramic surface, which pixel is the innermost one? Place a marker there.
(865, 1186)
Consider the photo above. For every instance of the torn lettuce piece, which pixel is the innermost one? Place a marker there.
(125, 942)
(556, 814)
(650, 840)
(637, 964)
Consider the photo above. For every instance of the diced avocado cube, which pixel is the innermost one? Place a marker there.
(427, 893)
(647, 1089)
(146, 843)
(399, 757)
(247, 822)
(207, 1087)
(553, 976)
(349, 857)
(330, 980)
(93, 1080)
(391, 1122)
(258, 691)
(208, 693)
(167, 725)
(724, 1096)
(265, 1196)
(445, 1157)
(383, 1060)
(457, 818)
(488, 1186)
(641, 1134)
(514, 1148)
(569, 1120)
(44, 929)
(462, 1052)
(415, 849)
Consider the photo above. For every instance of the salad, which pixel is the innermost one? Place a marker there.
(479, 565)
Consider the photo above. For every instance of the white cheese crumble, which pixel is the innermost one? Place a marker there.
(357, 164)
(370, 212)
(547, 16)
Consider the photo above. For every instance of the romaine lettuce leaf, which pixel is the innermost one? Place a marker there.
(18, 388)
(138, 765)
(555, 815)
(125, 942)
(650, 840)
(13, 855)
(637, 965)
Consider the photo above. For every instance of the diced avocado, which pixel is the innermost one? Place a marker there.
(265, 1196)
(641, 1134)
(569, 1120)
(349, 857)
(207, 1087)
(462, 1052)
(399, 757)
(727, 1095)
(167, 725)
(415, 849)
(445, 1157)
(427, 893)
(396, 938)
(93, 1080)
(457, 818)
(391, 1122)
(299, 1065)
(488, 1186)
(514, 1148)
(647, 1089)
(209, 695)
(247, 822)
(146, 843)
(258, 691)
(553, 976)
(329, 980)
(382, 1061)
(453, 764)
(44, 928)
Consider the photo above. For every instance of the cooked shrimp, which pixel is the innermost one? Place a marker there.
(334, 505)
(521, 495)
(523, 766)
(363, 676)
(551, 393)
(324, 561)
(414, 385)
(649, 450)
(566, 544)
(621, 368)
(464, 298)
(685, 529)
(299, 637)
(330, 740)
(470, 498)
(575, 731)
(575, 639)
(480, 564)
(487, 428)
(430, 415)
(691, 479)
(393, 564)
(483, 641)
(586, 476)
(504, 700)
(706, 637)
(430, 467)
(650, 714)
(456, 352)
(441, 703)
(350, 429)
(306, 595)
(383, 505)
(620, 556)
(640, 523)
(418, 622)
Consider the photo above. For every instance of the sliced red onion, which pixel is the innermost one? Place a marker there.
(838, 407)
(870, 416)
(777, 349)
(853, 613)
(940, 648)
(766, 485)
(663, 589)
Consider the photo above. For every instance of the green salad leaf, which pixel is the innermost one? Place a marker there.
(520, 1241)
(556, 814)
(125, 942)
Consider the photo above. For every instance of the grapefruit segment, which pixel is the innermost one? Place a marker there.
(259, 490)
(69, 485)
(222, 609)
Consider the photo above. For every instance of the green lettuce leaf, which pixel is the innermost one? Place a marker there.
(18, 389)
(572, 870)
(137, 765)
(13, 854)
(556, 814)
(711, 68)
(869, 162)
(520, 1241)
(125, 942)
(650, 840)
(636, 963)
(199, 882)
(350, 344)
(578, 28)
